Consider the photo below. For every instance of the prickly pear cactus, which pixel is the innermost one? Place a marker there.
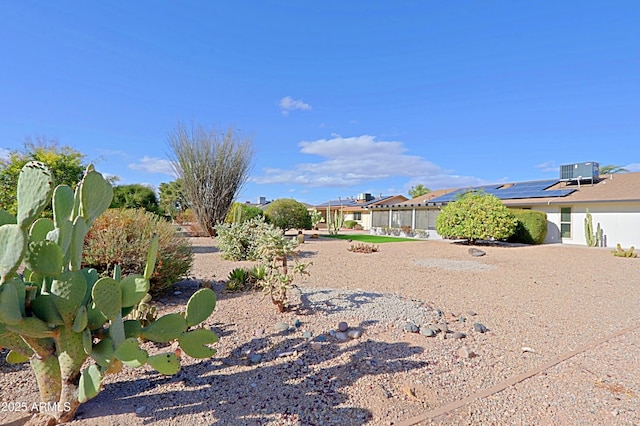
(56, 315)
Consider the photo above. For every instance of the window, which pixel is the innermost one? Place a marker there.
(357, 215)
(565, 222)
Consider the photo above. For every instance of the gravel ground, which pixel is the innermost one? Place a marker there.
(551, 300)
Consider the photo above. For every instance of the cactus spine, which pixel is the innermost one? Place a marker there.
(56, 315)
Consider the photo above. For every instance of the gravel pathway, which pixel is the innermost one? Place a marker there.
(537, 304)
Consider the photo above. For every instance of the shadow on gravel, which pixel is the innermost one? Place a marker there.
(294, 391)
(205, 249)
(331, 301)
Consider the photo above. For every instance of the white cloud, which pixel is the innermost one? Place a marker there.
(154, 165)
(288, 104)
(4, 154)
(351, 161)
(633, 167)
(548, 166)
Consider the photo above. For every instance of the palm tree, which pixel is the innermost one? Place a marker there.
(612, 168)
(418, 190)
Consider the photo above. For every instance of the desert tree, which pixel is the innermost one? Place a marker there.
(418, 190)
(287, 213)
(611, 169)
(66, 164)
(135, 196)
(172, 198)
(213, 167)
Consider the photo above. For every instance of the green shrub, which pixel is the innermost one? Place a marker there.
(120, 237)
(135, 196)
(531, 227)
(350, 224)
(287, 213)
(238, 241)
(476, 216)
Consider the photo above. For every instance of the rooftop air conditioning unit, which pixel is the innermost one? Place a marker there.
(580, 171)
(364, 196)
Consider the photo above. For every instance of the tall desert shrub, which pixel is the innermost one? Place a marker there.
(120, 237)
(476, 216)
(531, 227)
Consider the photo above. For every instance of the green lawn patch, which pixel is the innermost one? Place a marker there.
(374, 239)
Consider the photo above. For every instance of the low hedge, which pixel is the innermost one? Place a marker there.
(531, 227)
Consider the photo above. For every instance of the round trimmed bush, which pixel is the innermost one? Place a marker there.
(122, 237)
(531, 227)
(476, 216)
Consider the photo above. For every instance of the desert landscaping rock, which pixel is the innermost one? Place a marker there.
(476, 252)
(480, 328)
(411, 328)
(457, 335)
(354, 334)
(342, 326)
(342, 336)
(426, 331)
(281, 326)
(523, 290)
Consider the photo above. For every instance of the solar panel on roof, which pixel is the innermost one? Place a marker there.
(534, 189)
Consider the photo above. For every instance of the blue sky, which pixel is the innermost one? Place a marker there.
(339, 97)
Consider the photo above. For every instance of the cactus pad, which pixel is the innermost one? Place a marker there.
(78, 232)
(116, 330)
(151, 257)
(81, 320)
(132, 328)
(193, 343)
(32, 327)
(133, 288)
(13, 244)
(165, 328)
(107, 297)
(103, 352)
(130, 353)
(90, 276)
(200, 305)
(95, 196)
(10, 312)
(14, 357)
(167, 363)
(39, 229)
(62, 204)
(67, 293)
(87, 341)
(90, 382)
(45, 258)
(35, 185)
(95, 318)
(46, 310)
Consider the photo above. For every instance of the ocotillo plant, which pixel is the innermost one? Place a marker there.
(56, 314)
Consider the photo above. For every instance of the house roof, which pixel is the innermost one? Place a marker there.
(421, 200)
(352, 203)
(621, 187)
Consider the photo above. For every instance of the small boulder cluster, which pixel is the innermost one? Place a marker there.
(441, 327)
